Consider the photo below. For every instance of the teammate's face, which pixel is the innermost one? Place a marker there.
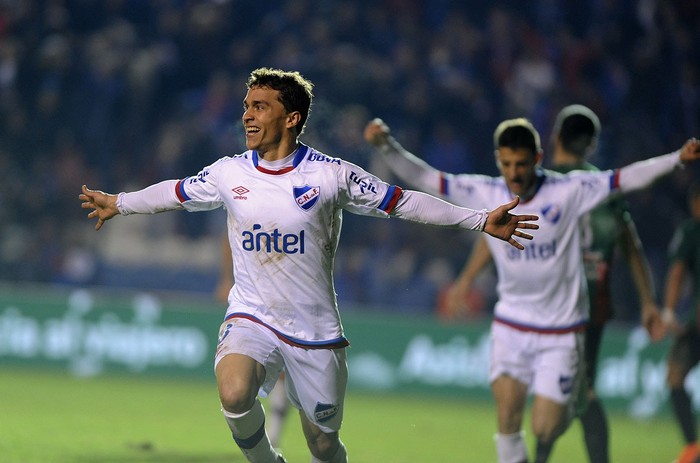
(265, 120)
(518, 169)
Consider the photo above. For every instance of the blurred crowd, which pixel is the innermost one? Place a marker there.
(119, 94)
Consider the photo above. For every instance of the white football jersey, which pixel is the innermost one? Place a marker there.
(542, 288)
(284, 228)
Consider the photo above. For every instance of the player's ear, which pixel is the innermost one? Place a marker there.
(539, 156)
(497, 158)
(293, 119)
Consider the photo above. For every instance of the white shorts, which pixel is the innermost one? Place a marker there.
(551, 365)
(315, 379)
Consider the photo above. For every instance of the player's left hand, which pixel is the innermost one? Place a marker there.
(505, 226)
(690, 151)
(456, 304)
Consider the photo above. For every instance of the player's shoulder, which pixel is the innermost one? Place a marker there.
(570, 177)
(477, 179)
(316, 158)
(569, 168)
(691, 228)
(552, 175)
(685, 236)
(244, 157)
(232, 159)
(319, 163)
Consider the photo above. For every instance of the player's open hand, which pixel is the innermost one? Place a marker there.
(690, 151)
(376, 132)
(505, 226)
(104, 205)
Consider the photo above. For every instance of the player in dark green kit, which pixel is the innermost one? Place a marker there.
(576, 132)
(575, 136)
(684, 257)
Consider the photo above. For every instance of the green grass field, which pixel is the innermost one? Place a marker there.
(53, 418)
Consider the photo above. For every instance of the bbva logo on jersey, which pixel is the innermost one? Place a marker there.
(306, 196)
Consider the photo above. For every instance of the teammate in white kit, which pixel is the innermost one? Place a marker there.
(284, 202)
(606, 229)
(542, 305)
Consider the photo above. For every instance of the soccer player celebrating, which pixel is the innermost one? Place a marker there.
(574, 139)
(542, 308)
(284, 203)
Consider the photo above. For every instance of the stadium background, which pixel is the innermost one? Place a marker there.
(119, 94)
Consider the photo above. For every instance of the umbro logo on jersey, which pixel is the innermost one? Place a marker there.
(240, 192)
(306, 196)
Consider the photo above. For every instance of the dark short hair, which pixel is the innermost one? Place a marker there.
(517, 134)
(577, 128)
(296, 92)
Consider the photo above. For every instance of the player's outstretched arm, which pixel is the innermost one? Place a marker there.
(641, 174)
(505, 226)
(103, 205)
(153, 199)
(499, 223)
(404, 164)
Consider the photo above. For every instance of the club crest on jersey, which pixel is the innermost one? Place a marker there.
(551, 213)
(306, 196)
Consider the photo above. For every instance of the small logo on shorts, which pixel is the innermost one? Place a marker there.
(324, 412)
(566, 384)
(224, 332)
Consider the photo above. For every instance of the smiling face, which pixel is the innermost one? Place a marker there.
(518, 167)
(269, 128)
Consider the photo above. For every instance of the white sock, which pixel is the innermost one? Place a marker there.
(340, 456)
(248, 430)
(511, 448)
